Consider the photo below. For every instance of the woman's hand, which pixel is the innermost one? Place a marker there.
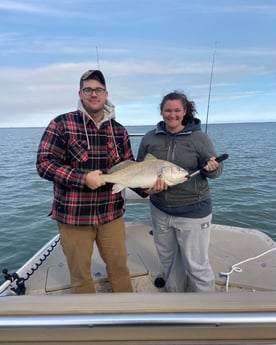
(158, 187)
(211, 165)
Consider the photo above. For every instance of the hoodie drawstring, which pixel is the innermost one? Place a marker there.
(109, 114)
(85, 129)
(113, 137)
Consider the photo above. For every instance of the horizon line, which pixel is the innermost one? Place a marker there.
(203, 123)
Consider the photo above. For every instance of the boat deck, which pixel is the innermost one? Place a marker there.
(49, 314)
(255, 251)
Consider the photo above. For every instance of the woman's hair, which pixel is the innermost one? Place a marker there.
(188, 105)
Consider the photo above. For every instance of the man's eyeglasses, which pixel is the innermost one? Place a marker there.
(89, 91)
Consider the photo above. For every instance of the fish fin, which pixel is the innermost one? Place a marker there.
(149, 156)
(117, 188)
(120, 166)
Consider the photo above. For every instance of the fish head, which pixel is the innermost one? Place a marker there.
(173, 174)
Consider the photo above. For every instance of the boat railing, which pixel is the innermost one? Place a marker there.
(202, 318)
(156, 319)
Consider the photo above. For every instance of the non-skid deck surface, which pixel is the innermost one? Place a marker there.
(228, 246)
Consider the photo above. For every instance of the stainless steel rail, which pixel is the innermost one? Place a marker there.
(181, 319)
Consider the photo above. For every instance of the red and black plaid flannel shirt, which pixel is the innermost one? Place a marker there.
(64, 158)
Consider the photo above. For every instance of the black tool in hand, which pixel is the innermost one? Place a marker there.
(218, 159)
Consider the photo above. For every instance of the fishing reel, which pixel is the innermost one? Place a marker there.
(20, 288)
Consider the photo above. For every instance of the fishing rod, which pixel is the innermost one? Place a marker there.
(210, 87)
(224, 155)
(97, 58)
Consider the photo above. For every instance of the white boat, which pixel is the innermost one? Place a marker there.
(36, 305)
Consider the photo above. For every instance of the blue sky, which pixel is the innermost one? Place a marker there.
(146, 49)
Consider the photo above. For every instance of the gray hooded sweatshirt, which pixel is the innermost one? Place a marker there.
(190, 148)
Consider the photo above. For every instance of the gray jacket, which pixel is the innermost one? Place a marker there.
(190, 149)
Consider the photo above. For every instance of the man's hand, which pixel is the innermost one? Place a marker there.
(94, 180)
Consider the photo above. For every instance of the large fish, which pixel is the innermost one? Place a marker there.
(144, 174)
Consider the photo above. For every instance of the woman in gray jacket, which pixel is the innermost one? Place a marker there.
(181, 215)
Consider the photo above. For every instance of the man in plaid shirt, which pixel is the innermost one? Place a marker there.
(75, 149)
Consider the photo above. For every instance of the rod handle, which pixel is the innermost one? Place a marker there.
(222, 157)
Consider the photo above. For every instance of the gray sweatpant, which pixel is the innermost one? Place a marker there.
(182, 245)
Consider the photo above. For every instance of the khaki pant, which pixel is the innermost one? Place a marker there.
(77, 244)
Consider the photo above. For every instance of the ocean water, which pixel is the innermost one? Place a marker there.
(244, 196)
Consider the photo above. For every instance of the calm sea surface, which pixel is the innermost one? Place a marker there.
(245, 195)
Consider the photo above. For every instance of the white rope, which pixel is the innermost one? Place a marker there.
(236, 268)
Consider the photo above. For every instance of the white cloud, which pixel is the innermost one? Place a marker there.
(144, 50)
(134, 87)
